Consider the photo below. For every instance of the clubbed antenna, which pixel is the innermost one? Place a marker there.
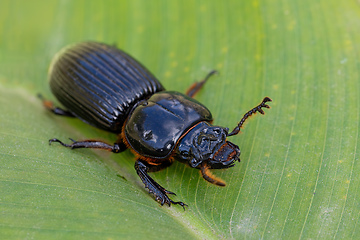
(249, 113)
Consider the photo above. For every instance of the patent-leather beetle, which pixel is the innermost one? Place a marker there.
(105, 87)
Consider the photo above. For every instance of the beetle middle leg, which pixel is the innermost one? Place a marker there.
(116, 148)
(195, 87)
(158, 191)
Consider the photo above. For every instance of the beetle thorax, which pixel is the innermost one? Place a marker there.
(154, 129)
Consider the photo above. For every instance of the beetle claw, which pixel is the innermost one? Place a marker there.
(168, 192)
(180, 203)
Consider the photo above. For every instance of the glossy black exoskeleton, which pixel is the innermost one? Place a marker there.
(107, 88)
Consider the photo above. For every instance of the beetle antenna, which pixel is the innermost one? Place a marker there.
(249, 113)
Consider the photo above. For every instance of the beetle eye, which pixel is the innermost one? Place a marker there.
(194, 162)
(185, 154)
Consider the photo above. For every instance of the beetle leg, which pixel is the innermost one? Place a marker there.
(195, 87)
(249, 113)
(116, 148)
(154, 188)
(56, 110)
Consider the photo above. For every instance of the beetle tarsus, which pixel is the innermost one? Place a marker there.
(180, 203)
(58, 141)
(159, 193)
(116, 148)
(249, 113)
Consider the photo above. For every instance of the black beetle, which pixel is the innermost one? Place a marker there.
(105, 87)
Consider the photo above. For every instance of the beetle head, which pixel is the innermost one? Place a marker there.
(206, 145)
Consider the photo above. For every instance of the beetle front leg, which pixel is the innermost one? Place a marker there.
(116, 148)
(195, 87)
(158, 191)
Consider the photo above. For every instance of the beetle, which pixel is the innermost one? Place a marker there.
(107, 88)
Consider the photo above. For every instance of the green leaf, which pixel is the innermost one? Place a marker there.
(298, 176)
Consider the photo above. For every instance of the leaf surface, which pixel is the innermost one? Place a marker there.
(298, 176)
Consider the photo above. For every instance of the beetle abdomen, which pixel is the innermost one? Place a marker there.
(154, 128)
(100, 84)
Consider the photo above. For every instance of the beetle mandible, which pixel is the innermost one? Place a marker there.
(107, 88)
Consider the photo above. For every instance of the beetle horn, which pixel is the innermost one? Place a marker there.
(208, 176)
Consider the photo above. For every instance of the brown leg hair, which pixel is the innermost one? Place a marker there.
(207, 175)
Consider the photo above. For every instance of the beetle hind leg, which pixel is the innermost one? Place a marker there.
(195, 87)
(160, 193)
(49, 105)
